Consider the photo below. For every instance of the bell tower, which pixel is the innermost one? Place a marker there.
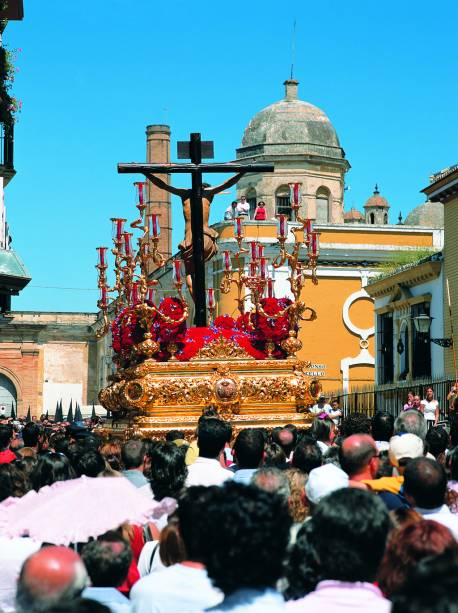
(376, 209)
(158, 200)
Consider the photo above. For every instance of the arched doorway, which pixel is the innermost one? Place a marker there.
(8, 395)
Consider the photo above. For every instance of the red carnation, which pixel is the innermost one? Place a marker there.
(224, 322)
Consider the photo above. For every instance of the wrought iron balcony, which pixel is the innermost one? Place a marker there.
(7, 151)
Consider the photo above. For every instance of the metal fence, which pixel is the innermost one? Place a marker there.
(392, 397)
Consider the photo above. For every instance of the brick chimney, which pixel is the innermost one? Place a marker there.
(158, 152)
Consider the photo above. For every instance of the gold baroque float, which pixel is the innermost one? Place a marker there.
(163, 396)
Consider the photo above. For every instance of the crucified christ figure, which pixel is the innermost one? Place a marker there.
(210, 235)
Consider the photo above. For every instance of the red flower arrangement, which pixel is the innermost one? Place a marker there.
(251, 331)
(170, 331)
(268, 324)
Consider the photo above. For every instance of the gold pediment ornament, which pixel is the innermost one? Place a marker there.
(221, 348)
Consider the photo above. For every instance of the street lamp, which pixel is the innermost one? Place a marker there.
(422, 325)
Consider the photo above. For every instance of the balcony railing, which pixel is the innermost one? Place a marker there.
(6, 145)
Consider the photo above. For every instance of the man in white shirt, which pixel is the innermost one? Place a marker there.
(212, 435)
(247, 531)
(425, 483)
(243, 207)
(183, 587)
(107, 561)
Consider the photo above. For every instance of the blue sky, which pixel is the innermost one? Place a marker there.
(93, 74)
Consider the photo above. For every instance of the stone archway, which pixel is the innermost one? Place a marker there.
(8, 393)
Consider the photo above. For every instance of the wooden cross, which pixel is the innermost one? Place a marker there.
(195, 150)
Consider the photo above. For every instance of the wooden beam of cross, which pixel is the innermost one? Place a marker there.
(196, 150)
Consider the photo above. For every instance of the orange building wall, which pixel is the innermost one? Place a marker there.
(327, 340)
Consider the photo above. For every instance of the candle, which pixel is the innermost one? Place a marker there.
(227, 261)
(263, 265)
(282, 220)
(211, 297)
(253, 269)
(102, 260)
(140, 185)
(308, 227)
(254, 250)
(270, 288)
(260, 251)
(155, 229)
(134, 295)
(314, 243)
(118, 227)
(295, 193)
(127, 244)
(151, 295)
(238, 227)
(177, 271)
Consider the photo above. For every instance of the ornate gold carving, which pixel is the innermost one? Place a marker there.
(292, 344)
(221, 348)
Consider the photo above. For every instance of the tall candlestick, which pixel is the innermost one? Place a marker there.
(270, 288)
(155, 229)
(263, 267)
(253, 269)
(102, 260)
(103, 296)
(308, 228)
(127, 244)
(238, 227)
(177, 270)
(227, 261)
(282, 220)
(140, 185)
(260, 251)
(314, 243)
(295, 193)
(151, 295)
(134, 294)
(118, 227)
(254, 250)
(211, 297)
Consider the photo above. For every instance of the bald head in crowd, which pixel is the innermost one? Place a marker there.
(359, 457)
(285, 438)
(52, 576)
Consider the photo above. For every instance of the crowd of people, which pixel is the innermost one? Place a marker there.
(352, 513)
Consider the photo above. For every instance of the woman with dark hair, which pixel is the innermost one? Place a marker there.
(51, 467)
(13, 481)
(274, 456)
(409, 545)
(323, 429)
(168, 470)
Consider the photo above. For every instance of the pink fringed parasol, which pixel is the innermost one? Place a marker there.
(74, 511)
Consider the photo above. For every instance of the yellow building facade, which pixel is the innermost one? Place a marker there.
(340, 341)
(444, 188)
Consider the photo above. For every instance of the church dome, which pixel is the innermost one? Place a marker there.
(429, 214)
(376, 200)
(291, 126)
